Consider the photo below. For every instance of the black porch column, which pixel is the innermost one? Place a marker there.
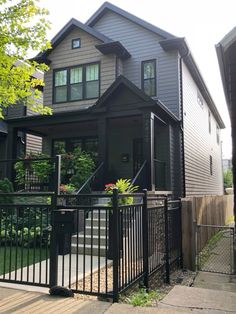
(148, 148)
(11, 143)
(102, 148)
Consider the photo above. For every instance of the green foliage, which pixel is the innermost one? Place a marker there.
(76, 167)
(23, 27)
(42, 169)
(143, 298)
(228, 178)
(124, 186)
(6, 187)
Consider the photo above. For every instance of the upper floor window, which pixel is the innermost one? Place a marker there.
(149, 77)
(217, 134)
(199, 99)
(209, 121)
(76, 43)
(76, 83)
(211, 165)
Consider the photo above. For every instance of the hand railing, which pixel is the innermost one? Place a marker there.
(90, 178)
(139, 172)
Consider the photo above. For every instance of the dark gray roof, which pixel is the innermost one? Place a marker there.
(182, 46)
(108, 6)
(66, 29)
(222, 49)
(122, 80)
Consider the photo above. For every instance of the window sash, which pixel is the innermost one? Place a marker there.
(149, 77)
(60, 78)
(81, 82)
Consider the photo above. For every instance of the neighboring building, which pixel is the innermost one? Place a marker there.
(227, 164)
(226, 52)
(133, 95)
(25, 142)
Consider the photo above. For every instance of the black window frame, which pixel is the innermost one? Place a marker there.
(200, 99)
(211, 165)
(217, 134)
(209, 121)
(74, 40)
(68, 96)
(155, 75)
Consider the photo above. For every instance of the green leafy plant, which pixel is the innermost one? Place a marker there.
(228, 179)
(124, 186)
(76, 168)
(144, 298)
(42, 169)
(6, 186)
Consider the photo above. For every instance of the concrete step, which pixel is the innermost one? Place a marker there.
(95, 214)
(95, 231)
(88, 239)
(95, 250)
(95, 222)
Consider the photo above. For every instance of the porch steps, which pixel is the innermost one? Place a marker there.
(94, 239)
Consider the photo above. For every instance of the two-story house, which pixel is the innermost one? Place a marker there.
(131, 94)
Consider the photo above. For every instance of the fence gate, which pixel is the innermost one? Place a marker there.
(214, 246)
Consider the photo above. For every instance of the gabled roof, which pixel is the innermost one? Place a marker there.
(181, 45)
(222, 49)
(122, 80)
(66, 29)
(107, 6)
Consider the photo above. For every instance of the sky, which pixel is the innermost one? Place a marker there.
(202, 22)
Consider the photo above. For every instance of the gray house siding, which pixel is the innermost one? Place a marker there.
(64, 56)
(199, 144)
(144, 45)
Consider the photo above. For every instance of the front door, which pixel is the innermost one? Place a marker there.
(137, 155)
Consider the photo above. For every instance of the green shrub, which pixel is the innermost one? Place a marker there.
(124, 186)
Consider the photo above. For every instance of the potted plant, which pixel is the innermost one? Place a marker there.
(124, 186)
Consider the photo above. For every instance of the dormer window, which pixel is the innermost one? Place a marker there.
(76, 83)
(149, 77)
(76, 43)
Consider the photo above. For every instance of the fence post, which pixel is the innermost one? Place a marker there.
(167, 262)
(145, 231)
(180, 234)
(53, 240)
(116, 246)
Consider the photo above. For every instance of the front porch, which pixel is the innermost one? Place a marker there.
(130, 134)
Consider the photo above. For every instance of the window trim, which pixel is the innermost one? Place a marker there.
(155, 75)
(217, 134)
(209, 122)
(68, 82)
(211, 165)
(72, 42)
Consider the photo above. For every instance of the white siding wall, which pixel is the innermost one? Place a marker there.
(199, 144)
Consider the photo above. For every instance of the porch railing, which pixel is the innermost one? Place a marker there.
(160, 174)
(139, 175)
(88, 182)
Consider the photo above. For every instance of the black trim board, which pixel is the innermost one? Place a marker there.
(108, 6)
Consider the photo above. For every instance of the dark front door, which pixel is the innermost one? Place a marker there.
(137, 155)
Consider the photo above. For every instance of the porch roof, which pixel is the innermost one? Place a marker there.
(100, 108)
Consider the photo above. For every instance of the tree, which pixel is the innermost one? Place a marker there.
(23, 27)
(228, 178)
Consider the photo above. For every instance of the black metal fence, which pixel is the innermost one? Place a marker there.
(98, 244)
(102, 244)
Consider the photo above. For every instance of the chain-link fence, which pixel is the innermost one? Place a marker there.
(215, 249)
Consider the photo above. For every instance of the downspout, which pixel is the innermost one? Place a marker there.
(182, 119)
